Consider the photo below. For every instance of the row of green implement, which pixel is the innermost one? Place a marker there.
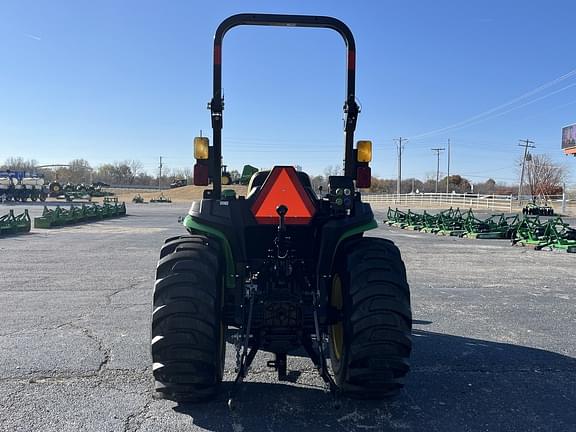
(59, 216)
(527, 231)
(11, 224)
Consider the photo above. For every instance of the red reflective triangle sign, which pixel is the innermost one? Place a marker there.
(283, 187)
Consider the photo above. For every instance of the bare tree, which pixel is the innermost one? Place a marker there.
(457, 183)
(105, 173)
(19, 164)
(135, 166)
(235, 174)
(319, 181)
(487, 187)
(123, 173)
(183, 173)
(333, 170)
(79, 171)
(543, 176)
(382, 185)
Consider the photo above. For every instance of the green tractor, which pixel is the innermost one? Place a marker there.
(226, 177)
(282, 268)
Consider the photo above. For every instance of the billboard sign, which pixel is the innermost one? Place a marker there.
(569, 139)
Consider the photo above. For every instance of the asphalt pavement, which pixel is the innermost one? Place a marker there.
(494, 339)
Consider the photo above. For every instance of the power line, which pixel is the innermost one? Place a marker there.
(489, 112)
(530, 102)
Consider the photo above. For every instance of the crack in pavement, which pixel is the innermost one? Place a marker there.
(57, 378)
(101, 347)
(134, 421)
(79, 318)
(37, 329)
(132, 284)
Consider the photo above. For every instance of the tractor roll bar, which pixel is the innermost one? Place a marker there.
(216, 106)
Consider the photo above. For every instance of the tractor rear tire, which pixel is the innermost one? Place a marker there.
(188, 348)
(370, 347)
(55, 188)
(185, 242)
(226, 179)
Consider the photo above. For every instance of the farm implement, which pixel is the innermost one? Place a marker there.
(12, 224)
(59, 216)
(553, 233)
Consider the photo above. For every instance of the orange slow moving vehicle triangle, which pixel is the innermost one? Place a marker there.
(283, 187)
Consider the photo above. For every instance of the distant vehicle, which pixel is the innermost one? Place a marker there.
(539, 210)
(14, 188)
(58, 190)
(247, 173)
(226, 178)
(178, 183)
(100, 184)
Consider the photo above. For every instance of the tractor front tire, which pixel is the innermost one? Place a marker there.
(188, 348)
(371, 343)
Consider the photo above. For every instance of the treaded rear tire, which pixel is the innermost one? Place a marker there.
(370, 359)
(188, 349)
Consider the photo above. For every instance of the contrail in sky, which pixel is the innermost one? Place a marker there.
(31, 36)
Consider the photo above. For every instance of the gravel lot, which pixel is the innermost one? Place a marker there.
(494, 345)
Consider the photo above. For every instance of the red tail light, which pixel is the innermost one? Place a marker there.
(363, 177)
(201, 175)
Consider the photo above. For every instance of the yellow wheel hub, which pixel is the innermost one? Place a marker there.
(337, 330)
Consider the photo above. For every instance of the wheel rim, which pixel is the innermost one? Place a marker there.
(337, 329)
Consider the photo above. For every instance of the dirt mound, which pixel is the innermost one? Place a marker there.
(181, 194)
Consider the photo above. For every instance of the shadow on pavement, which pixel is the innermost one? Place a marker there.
(456, 384)
(421, 322)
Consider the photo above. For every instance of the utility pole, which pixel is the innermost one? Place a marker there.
(527, 144)
(400, 148)
(448, 175)
(437, 150)
(160, 174)
(563, 198)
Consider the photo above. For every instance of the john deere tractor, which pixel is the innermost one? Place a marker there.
(281, 269)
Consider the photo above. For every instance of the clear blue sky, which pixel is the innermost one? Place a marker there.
(113, 80)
